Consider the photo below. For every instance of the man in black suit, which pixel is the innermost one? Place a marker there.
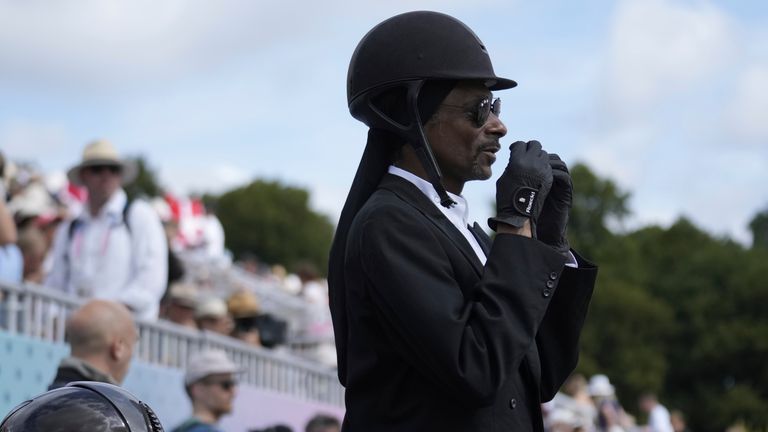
(438, 328)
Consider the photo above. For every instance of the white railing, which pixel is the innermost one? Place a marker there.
(40, 313)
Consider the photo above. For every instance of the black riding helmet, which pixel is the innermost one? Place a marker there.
(80, 406)
(404, 52)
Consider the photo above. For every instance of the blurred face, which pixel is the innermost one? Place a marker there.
(221, 325)
(181, 314)
(464, 149)
(215, 393)
(101, 181)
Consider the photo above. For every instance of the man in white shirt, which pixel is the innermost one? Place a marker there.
(116, 249)
(658, 415)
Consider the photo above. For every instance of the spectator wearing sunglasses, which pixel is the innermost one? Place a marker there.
(438, 327)
(115, 249)
(210, 382)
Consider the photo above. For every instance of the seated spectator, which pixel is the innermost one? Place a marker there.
(678, 421)
(210, 384)
(180, 305)
(275, 428)
(11, 262)
(658, 415)
(611, 417)
(101, 336)
(33, 248)
(323, 423)
(244, 308)
(212, 315)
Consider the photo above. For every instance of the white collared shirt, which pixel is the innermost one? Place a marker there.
(104, 259)
(457, 214)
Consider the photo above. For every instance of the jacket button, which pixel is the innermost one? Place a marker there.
(547, 292)
(550, 284)
(553, 275)
(513, 403)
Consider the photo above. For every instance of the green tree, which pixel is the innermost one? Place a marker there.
(146, 183)
(275, 223)
(759, 227)
(596, 203)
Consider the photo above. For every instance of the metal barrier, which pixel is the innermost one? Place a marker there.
(40, 313)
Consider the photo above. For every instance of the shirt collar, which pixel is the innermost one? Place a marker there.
(460, 210)
(114, 206)
(87, 370)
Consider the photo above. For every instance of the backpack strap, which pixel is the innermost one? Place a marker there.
(127, 208)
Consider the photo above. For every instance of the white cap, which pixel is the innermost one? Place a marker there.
(207, 363)
(600, 385)
(211, 307)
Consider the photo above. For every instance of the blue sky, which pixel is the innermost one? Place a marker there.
(668, 98)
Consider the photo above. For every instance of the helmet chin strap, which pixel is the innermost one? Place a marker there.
(414, 134)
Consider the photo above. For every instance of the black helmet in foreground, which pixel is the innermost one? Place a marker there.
(404, 52)
(82, 406)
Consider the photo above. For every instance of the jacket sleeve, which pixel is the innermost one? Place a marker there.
(467, 339)
(558, 337)
(149, 251)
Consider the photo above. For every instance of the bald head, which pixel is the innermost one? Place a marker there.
(103, 333)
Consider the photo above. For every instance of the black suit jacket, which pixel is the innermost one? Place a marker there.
(438, 342)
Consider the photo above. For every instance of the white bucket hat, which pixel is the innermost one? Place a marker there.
(600, 386)
(207, 363)
(102, 152)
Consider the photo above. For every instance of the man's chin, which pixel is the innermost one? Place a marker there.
(483, 173)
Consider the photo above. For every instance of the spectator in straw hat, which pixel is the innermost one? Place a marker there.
(210, 382)
(244, 308)
(115, 249)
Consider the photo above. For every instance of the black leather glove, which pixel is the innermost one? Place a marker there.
(553, 221)
(522, 188)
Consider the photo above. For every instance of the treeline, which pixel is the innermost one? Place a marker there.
(676, 311)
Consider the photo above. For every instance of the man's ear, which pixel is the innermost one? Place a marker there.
(117, 349)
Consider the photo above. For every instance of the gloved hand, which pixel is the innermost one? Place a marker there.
(553, 221)
(522, 188)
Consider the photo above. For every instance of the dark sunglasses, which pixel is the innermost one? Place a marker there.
(98, 169)
(224, 384)
(480, 112)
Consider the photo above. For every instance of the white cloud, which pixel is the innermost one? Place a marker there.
(26, 140)
(748, 112)
(217, 178)
(97, 43)
(660, 47)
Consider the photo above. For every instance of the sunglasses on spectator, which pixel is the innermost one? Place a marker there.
(482, 110)
(224, 384)
(98, 169)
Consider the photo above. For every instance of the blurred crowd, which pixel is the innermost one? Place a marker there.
(162, 257)
(593, 406)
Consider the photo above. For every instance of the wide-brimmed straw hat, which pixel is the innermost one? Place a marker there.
(102, 152)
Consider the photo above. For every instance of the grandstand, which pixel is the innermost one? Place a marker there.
(278, 386)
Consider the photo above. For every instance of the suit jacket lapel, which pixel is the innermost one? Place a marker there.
(481, 237)
(414, 197)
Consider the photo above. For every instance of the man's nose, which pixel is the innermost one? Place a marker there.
(495, 126)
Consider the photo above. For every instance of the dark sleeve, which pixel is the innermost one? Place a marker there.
(558, 337)
(467, 345)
